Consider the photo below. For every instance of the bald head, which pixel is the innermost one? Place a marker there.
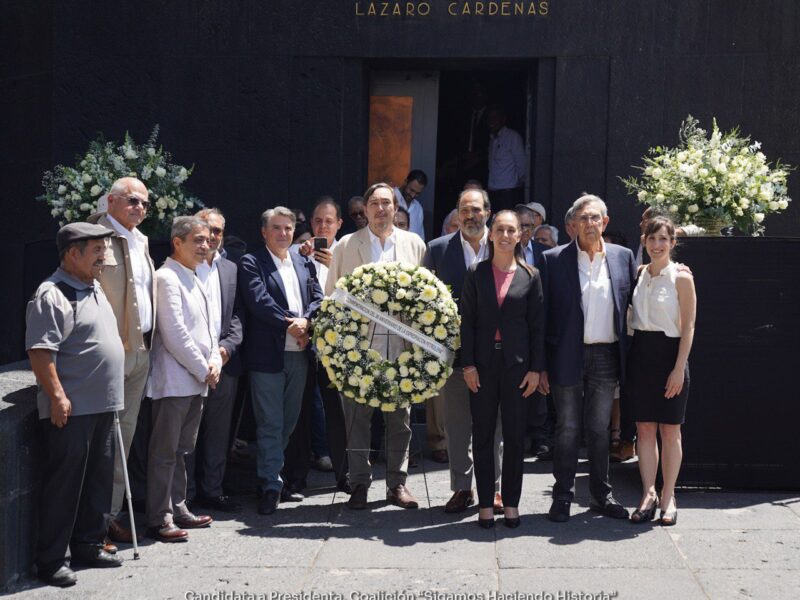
(128, 202)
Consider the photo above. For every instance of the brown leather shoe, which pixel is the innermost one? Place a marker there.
(461, 500)
(440, 456)
(109, 546)
(498, 504)
(117, 532)
(400, 496)
(623, 451)
(358, 498)
(169, 534)
(192, 521)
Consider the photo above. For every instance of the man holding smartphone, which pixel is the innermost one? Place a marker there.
(326, 221)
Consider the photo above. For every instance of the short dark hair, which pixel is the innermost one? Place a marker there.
(496, 108)
(487, 205)
(376, 186)
(80, 245)
(400, 209)
(327, 201)
(417, 175)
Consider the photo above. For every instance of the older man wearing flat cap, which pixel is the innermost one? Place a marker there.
(77, 356)
(531, 215)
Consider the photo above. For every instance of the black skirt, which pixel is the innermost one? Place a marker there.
(650, 361)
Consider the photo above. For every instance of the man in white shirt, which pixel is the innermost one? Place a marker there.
(507, 162)
(218, 276)
(281, 294)
(380, 241)
(320, 430)
(408, 197)
(587, 286)
(128, 281)
(449, 257)
(186, 363)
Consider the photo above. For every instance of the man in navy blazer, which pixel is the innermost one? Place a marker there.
(587, 286)
(219, 276)
(281, 294)
(449, 257)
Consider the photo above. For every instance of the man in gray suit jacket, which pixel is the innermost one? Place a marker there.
(379, 241)
(186, 361)
(207, 462)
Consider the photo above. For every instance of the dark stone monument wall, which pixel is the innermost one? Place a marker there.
(269, 98)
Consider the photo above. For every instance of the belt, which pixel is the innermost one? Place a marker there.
(601, 344)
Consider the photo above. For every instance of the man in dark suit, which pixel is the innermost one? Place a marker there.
(449, 257)
(281, 294)
(530, 217)
(205, 467)
(587, 286)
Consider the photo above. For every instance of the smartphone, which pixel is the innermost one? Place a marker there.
(320, 243)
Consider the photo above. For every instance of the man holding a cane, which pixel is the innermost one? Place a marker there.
(78, 358)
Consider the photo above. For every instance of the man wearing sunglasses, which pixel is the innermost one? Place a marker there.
(128, 281)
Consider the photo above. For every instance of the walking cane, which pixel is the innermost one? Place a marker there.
(121, 452)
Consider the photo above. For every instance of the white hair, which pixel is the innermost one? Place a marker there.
(553, 231)
(587, 199)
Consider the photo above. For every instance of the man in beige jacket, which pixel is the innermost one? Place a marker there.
(128, 281)
(379, 241)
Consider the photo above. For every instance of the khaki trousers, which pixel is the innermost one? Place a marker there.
(137, 368)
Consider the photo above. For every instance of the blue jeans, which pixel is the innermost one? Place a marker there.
(590, 401)
(277, 399)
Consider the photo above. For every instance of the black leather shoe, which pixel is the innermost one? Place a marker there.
(93, 556)
(269, 502)
(609, 507)
(512, 522)
(63, 576)
(288, 495)
(559, 511)
(220, 503)
(358, 499)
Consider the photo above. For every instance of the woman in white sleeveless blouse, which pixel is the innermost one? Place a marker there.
(663, 318)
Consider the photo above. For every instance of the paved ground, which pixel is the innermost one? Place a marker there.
(726, 545)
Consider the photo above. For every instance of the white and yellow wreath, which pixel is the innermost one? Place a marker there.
(400, 295)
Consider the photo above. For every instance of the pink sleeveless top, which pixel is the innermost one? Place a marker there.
(502, 283)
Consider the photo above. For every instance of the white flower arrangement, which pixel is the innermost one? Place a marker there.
(407, 292)
(724, 178)
(74, 193)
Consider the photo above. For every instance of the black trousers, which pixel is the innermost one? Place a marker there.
(499, 388)
(334, 424)
(76, 488)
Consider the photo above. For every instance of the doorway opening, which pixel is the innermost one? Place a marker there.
(435, 120)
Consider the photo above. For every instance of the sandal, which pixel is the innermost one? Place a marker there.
(645, 515)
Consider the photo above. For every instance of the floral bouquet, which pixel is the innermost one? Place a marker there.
(414, 296)
(74, 193)
(723, 179)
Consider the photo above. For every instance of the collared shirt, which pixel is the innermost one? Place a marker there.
(209, 276)
(596, 298)
(529, 256)
(470, 256)
(416, 215)
(506, 160)
(322, 270)
(386, 252)
(82, 334)
(142, 277)
(382, 341)
(293, 296)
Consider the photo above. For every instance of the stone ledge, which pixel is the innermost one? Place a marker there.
(20, 457)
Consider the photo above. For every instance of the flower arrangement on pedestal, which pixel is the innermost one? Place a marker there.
(396, 295)
(712, 181)
(74, 193)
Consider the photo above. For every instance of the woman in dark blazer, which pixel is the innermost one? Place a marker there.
(502, 350)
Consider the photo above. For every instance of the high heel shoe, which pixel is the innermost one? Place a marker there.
(486, 523)
(512, 522)
(668, 519)
(646, 515)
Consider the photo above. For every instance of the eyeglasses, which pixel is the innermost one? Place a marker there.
(526, 225)
(590, 218)
(134, 201)
(216, 230)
